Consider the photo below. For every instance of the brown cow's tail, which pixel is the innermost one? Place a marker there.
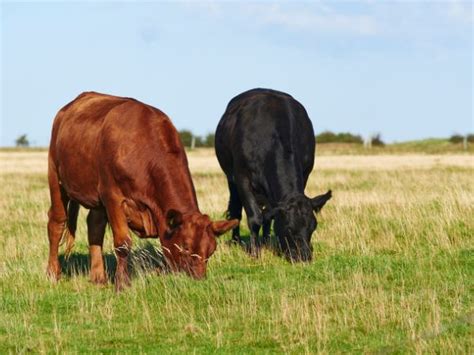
(71, 225)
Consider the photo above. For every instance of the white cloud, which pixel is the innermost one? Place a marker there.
(461, 11)
(321, 19)
(365, 18)
(314, 17)
(318, 19)
(212, 8)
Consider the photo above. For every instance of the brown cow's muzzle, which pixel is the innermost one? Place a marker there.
(189, 265)
(196, 270)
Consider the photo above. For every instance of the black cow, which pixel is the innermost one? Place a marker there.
(265, 145)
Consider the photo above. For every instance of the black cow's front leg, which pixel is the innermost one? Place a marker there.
(234, 209)
(254, 215)
(266, 231)
(254, 219)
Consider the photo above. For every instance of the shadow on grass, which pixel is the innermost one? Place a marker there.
(145, 259)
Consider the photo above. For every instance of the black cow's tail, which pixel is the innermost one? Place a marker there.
(69, 233)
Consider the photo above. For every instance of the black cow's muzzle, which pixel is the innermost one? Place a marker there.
(296, 250)
(299, 254)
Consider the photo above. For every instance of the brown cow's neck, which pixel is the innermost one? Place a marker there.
(172, 189)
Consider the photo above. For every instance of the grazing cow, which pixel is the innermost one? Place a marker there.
(265, 145)
(123, 160)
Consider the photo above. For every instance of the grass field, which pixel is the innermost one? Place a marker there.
(393, 270)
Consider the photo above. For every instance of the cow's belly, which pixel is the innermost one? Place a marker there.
(80, 186)
(77, 163)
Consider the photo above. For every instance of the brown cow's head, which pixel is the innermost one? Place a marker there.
(191, 240)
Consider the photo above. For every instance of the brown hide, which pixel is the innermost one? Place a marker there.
(104, 145)
(119, 154)
(140, 220)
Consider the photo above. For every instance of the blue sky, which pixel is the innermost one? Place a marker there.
(400, 68)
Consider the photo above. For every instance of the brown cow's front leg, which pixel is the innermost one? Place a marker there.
(122, 243)
(96, 223)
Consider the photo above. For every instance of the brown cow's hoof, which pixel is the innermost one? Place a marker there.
(98, 278)
(53, 272)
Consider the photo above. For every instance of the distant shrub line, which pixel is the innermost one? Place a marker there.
(343, 137)
(346, 137)
(458, 138)
(187, 138)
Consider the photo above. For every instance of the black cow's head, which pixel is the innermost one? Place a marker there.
(295, 222)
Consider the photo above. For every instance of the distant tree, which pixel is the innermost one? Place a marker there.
(198, 141)
(22, 141)
(343, 137)
(470, 138)
(349, 138)
(326, 137)
(377, 140)
(456, 138)
(210, 139)
(186, 137)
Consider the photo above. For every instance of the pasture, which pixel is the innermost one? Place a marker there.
(393, 270)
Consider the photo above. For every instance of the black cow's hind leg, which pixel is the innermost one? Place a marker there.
(235, 208)
(254, 215)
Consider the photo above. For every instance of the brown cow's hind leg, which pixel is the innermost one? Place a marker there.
(122, 242)
(56, 222)
(96, 223)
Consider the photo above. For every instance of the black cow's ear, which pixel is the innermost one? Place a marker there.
(319, 201)
(174, 218)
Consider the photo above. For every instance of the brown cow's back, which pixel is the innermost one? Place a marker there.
(129, 146)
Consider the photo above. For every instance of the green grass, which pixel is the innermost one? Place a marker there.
(393, 271)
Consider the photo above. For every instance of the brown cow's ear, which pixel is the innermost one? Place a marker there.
(220, 227)
(174, 219)
(319, 201)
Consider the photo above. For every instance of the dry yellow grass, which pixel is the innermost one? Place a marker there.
(393, 270)
(204, 161)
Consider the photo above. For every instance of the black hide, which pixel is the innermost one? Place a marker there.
(265, 145)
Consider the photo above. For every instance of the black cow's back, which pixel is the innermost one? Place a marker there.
(267, 136)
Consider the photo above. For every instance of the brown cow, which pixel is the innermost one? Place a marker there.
(124, 161)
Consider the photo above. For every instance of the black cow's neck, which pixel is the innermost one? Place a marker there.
(286, 180)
